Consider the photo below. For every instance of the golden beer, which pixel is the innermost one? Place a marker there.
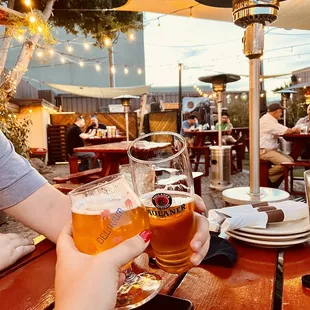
(173, 226)
(96, 231)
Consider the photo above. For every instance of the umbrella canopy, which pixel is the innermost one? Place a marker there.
(293, 13)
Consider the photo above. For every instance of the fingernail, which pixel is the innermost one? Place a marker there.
(146, 235)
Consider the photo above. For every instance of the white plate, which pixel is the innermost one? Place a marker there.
(280, 229)
(271, 238)
(261, 243)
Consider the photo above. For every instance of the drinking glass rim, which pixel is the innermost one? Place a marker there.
(88, 186)
(307, 172)
(157, 133)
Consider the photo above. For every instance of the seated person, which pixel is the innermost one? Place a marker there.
(305, 121)
(187, 126)
(270, 130)
(227, 126)
(94, 125)
(75, 137)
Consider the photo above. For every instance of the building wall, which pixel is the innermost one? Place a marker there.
(302, 76)
(40, 118)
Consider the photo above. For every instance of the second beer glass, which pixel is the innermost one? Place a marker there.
(162, 178)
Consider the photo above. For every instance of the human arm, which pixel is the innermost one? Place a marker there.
(84, 135)
(91, 282)
(292, 130)
(13, 247)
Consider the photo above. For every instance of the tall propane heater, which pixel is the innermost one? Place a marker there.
(125, 99)
(220, 155)
(252, 15)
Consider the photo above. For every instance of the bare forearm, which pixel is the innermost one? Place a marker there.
(45, 211)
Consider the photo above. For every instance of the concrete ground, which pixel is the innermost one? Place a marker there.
(212, 198)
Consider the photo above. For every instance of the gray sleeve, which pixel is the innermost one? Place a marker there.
(18, 179)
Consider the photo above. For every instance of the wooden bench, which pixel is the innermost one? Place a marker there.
(73, 164)
(289, 170)
(79, 177)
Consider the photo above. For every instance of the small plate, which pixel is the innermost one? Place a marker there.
(261, 243)
(271, 238)
(281, 229)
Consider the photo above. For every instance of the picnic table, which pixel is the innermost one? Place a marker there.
(298, 143)
(251, 284)
(102, 140)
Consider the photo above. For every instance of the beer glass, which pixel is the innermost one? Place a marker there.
(162, 178)
(307, 186)
(105, 213)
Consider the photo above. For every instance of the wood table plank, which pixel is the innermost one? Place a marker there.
(248, 285)
(31, 286)
(296, 264)
(41, 248)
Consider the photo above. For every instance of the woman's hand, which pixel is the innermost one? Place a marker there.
(12, 248)
(201, 240)
(91, 282)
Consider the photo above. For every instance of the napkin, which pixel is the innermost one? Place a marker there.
(257, 216)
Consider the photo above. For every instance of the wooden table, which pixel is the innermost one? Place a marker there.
(299, 142)
(100, 140)
(110, 154)
(250, 284)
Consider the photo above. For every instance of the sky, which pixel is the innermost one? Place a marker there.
(207, 47)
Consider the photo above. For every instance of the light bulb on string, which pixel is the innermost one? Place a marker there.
(62, 60)
(40, 29)
(51, 52)
(20, 38)
(113, 70)
(158, 25)
(139, 71)
(39, 54)
(126, 71)
(86, 46)
(30, 110)
(131, 36)
(69, 48)
(27, 2)
(107, 41)
(97, 67)
(81, 63)
(32, 19)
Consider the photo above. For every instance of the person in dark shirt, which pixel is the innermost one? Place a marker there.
(75, 137)
(94, 125)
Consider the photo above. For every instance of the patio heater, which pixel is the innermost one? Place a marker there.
(252, 15)
(125, 99)
(220, 155)
(285, 96)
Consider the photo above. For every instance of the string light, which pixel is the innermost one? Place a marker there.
(27, 2)
(126, 71)
(40, 29)
(69, 48)
(81, 63)
(30, 111)
(51, 52)
(98, 68)
(139, 71)
(32, 19)
(20, 38)
(62, 60)
(158, 22)
(113, 70)
(86, 46)
(39, 54)
(131, 36)
(107, 41)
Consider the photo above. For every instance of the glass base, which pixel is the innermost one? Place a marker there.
(137, 290)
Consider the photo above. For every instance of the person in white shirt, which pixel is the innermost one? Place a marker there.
(305, 121)
(270, 130)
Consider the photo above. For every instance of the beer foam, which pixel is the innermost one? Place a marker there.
(178, 198)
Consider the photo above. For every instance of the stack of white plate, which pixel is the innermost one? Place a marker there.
(276, 235)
